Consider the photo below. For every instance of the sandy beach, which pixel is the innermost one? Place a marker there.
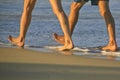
(37, 62)
(23, 64)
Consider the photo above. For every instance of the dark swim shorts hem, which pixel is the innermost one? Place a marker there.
(80, 0)
(93, 2)
(87, 0)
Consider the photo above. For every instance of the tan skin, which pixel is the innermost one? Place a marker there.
(105, 13)
(59, 12)
(26, 19)
(24, 23)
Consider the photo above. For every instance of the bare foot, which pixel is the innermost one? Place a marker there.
(58, 38)
(68, 46)
(15, 41)
(109, 47)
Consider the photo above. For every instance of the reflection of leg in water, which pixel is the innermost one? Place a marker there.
(67, 53)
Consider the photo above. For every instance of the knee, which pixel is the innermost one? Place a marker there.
(75, 7)
(104, 9)
(28, 9)
(104, 12)
(58, 11)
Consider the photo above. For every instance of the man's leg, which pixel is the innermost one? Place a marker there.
(24, 23)
(58, 10)
(73, 18)
(106, 14)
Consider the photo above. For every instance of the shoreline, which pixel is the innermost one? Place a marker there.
(18, 55)
(86, 52)
(24, 64)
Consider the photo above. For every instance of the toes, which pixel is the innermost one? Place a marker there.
(10, 38)
(55, 36)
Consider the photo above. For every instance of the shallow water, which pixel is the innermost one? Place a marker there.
(90, 30)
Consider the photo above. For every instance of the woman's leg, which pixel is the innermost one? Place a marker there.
(24, 23)
(58, 10)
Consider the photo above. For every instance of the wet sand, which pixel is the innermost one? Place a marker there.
(22, 64)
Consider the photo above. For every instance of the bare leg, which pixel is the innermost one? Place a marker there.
(57, 9)
(24, 23)
(106, 14)
(73, 18)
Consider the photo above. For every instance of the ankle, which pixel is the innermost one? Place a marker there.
(21, 39)
(112, 42)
